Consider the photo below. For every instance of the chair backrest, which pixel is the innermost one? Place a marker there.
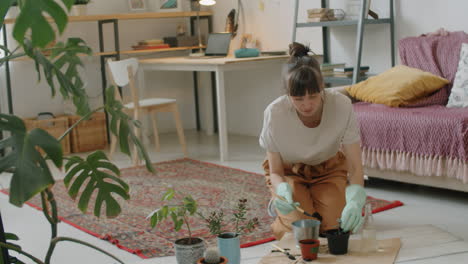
(119, 70)
(122, 73)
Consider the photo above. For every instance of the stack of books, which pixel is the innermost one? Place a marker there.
(348, 71)
(150, 44)
(320, 14)
(327, 68)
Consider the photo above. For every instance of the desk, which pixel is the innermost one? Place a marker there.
(219, 66)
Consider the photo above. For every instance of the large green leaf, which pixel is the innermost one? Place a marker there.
(122, 126)
(4, 7)
(62, 66)
(32, 20)
(95, 173)
(31, 173)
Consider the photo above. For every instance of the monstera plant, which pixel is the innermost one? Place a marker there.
(94, 176)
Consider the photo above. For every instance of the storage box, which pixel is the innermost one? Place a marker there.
(90, 134)
(54, 126)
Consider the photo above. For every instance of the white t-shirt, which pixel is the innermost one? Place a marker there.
(285, 133)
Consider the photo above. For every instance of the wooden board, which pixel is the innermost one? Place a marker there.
(386, 254)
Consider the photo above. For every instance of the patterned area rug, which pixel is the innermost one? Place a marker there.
(212, 186)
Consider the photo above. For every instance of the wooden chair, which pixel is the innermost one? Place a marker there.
(122, 73)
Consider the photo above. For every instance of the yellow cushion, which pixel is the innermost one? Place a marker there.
(396, 87)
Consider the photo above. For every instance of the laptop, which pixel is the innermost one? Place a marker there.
(217, 46)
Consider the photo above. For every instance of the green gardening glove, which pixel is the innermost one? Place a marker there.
(351, 217)
(285, 207)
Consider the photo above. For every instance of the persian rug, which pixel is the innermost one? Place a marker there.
(212, 186)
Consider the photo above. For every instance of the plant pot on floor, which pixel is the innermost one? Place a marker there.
(229, 246)
(189, 253)
(309, 249)
(222, 260)
(337, 241)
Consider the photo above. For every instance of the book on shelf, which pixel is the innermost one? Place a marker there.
(151, 42)
(349, 74)
(149, 47)
(331, 66)
(350, 69)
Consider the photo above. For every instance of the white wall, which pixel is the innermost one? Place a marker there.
(247, 93)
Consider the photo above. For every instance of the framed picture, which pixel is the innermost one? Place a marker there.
(137, 5)
(170, 5)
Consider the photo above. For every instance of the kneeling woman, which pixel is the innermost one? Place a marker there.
(303, 133)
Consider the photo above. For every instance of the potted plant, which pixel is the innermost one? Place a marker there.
(211, 256)
(80, 7)
(228, 232)
(26, 153)
(187, 249)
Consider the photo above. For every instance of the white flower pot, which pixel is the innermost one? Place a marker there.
(79, 10)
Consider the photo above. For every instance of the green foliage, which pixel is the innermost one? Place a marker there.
(94, 180)
(241, 224)
(62, 66)
(178, 213)
(98, 170)
(32, 18)
(31, 172)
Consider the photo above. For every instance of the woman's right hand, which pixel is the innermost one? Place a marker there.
(287, 205)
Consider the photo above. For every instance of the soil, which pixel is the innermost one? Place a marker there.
(185, 241)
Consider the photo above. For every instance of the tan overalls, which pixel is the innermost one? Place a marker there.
(319, 188)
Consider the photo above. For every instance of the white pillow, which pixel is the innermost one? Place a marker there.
(459, 93)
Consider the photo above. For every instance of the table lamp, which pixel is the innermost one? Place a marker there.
(200, 44)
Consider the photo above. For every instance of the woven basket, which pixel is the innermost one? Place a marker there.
(54, 126)
(90, 134)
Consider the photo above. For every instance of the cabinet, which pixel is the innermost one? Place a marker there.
(116, 52)
(360, 24)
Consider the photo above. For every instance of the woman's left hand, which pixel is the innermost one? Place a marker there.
(351, 217)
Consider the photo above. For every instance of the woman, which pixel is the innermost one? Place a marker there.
(303, 133)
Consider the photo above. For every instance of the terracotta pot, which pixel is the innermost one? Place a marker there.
(309, 249)
(223, 260)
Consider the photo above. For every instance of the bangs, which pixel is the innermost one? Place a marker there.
(304, 80)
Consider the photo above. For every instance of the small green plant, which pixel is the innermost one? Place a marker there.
(241, 225)
(179, 212)
(81, 2)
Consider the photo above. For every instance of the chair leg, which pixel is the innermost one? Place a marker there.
(136, 160)
(180, 129)
(155, 131)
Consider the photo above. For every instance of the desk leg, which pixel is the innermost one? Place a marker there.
(221, 105)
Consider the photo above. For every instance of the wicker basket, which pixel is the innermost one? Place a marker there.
(90, 134)
(54, 126)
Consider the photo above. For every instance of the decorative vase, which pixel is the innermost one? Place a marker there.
(189, 253)
(229, 247)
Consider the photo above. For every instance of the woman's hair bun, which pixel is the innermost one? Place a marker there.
(298, 50)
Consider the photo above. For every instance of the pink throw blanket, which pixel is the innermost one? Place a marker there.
(434, 130)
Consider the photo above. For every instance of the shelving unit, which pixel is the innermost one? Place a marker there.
(360, 23)
(116, 52)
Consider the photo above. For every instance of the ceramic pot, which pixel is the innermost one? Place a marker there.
(79, 10)
(189, 253)
(229, 246)
(337, 241)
